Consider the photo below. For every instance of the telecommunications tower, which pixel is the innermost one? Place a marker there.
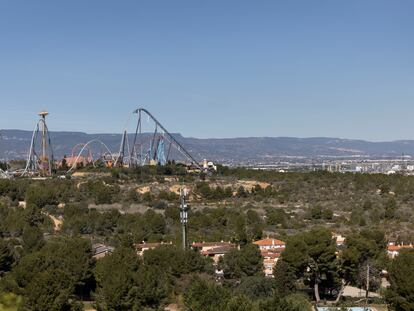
(184, 215)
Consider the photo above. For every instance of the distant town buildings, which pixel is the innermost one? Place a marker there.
(345, 164)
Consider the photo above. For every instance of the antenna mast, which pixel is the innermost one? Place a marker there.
(184, 215)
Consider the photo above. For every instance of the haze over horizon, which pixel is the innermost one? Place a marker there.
(216, 69)
(218, 138)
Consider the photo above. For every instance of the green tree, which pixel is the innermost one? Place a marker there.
(284, 278)
(256, 287)
(312, 257)
(205, 295)
(33, 215)
(151, 286)
(277, 217)
(240, 229)
(327, 214)
(41, 195)
(52, 276)
(241, 263)
(253, 217)
(69, 257)
(176, 261)
(50, 290)
(361, 248)
(32, 238)
(390, 209)
(294, 302)
(316, 212)
(298, 302)
(322, 264)
(400, 295)
(239, 303)
(115, 279)
(6, 257)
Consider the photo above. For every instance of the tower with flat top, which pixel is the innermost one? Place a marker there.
(40, 156)
(44, 165)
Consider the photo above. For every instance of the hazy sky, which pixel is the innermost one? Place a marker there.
(211, 68)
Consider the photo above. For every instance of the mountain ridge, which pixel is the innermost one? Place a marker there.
(15, 143)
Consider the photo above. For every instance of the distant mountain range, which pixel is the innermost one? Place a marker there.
(14, 144)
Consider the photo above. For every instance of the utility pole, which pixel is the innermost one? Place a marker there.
(184, 215)
(367, 292)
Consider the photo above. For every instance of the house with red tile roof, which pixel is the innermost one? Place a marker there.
(141, 248)
(394, 249)
(214, 250)
(270, 244)
(270, 250)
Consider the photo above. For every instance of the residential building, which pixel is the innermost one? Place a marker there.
(270, 244)
(100, 250)
(270, 250)
(339, 240)
(141, 248)
(270, 259)
(394, 249)
(214, 250)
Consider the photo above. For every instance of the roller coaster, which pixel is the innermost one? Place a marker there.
(157, 146)
(85, 146)
(149, 143)
(4, 175)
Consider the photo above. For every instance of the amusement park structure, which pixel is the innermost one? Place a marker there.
(150, 148)
(155, 146)
(151, 144)
(3, 174)
(106, 157)
(40, 158)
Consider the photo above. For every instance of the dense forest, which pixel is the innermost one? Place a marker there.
(48, 227)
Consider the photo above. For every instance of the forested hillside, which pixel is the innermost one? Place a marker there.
(48, 227)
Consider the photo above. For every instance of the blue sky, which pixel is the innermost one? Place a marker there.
(211, 68)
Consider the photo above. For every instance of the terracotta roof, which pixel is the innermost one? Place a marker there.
(393, 248)
(209, 244)
(269, 242)
(218, 250)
